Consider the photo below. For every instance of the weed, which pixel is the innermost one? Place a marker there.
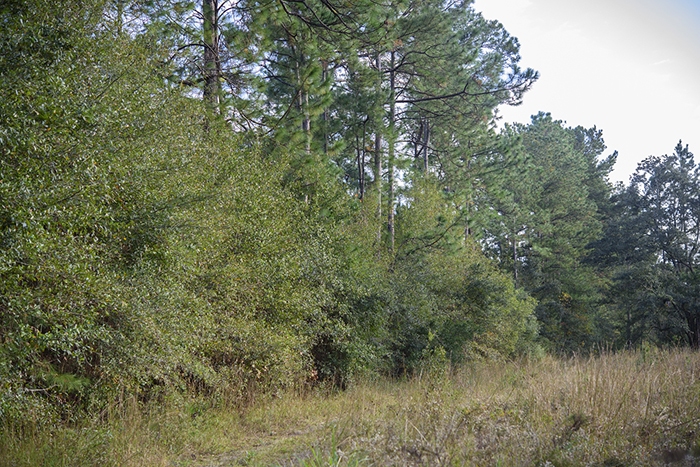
(607, 411)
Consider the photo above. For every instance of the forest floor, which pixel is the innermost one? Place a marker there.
(624, 409)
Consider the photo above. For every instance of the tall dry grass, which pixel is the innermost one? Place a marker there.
(616, 409)
(631, 408)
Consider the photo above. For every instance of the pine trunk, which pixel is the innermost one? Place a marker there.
(211, 55)
(378, 165)
(391, 155)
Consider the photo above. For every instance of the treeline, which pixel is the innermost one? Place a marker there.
(228, 197)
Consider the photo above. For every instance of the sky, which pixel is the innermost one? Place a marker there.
(628, 67)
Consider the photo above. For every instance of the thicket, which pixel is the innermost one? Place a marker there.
(146, 250)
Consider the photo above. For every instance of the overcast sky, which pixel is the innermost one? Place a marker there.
(629, 67)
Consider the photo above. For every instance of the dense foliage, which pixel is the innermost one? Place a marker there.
(232, 197)
(651, 246)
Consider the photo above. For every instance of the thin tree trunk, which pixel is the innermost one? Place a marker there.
(378, 166)
(426, 145)
(325, 116)
(515, 261)
(302, 99)
(306, 124)
(211, 55)
(391, 155)
(468, 207)
(419, 140)
(362, 161)
(119, 23)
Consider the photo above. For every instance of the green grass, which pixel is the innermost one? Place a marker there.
(631, 408)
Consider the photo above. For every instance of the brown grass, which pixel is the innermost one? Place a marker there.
(631, 408)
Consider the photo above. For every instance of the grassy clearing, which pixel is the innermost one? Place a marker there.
(633, 408)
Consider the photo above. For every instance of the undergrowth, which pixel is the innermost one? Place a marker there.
(631, 408)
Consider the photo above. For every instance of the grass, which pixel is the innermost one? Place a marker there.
(630, 408)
